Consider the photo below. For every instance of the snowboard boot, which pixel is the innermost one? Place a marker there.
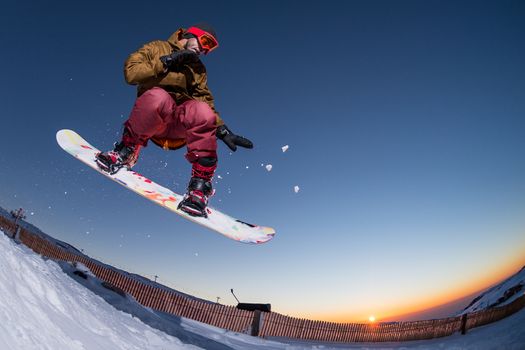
(200, 188)
(121, 156)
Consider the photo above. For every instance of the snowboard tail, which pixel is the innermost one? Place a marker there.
(228, 226)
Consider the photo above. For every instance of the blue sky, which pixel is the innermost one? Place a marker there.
(405, 121)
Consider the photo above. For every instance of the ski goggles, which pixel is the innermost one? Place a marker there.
(207, 41)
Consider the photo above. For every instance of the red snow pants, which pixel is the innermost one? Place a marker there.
(155, 114)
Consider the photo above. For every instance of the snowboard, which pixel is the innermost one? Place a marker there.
(226, 225)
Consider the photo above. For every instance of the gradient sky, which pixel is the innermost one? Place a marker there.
(405, 120)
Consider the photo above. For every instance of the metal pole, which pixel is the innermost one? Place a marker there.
(235, 296)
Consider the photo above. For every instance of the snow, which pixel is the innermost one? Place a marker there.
(296, 189)
(504, 293)
(269, 167)
(43, 308)
(45, 305)
(285, 148)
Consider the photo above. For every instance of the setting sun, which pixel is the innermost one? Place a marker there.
(372, 318)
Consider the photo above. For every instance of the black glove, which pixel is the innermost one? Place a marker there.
(177, 58)
(231, 140)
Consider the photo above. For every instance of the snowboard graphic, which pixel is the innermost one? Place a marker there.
(230, 227)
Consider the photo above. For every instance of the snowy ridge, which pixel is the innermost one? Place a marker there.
(499, 295)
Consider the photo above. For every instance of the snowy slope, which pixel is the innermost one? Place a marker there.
(42, 308)
(504, 293)
(45, 305)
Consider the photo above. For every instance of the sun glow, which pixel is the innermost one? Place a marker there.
(371, 318)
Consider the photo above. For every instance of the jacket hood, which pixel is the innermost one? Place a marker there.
(175, 37)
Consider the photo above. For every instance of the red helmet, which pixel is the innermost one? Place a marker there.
(205, 36)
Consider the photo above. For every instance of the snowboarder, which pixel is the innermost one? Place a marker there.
(174, 107)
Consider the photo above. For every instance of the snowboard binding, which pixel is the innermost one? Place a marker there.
(121, 156)
(196, 199)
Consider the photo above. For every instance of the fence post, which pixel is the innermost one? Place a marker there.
(11, 234)
(16, 235)
(256, 323)
(464, 324)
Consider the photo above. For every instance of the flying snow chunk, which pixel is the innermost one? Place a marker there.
(285, 148)
(269, 167)
(296, 189)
